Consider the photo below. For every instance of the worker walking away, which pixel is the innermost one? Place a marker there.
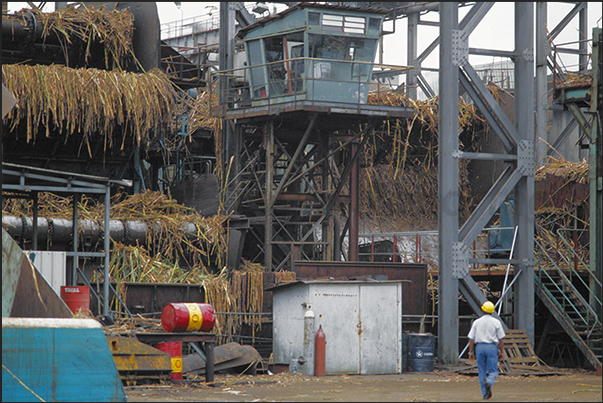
(485, 339)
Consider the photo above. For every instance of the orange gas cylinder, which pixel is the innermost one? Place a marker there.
(187, 317)
(319, 352)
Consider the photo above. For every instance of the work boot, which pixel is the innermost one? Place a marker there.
(488, 394)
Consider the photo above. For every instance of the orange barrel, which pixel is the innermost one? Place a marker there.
(187, 317)
(77, 298)
(174, 349)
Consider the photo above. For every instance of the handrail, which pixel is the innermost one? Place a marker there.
(263, 72)
(574, 253)
(565, 280)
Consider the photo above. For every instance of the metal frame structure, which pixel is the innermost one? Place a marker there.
(519, 157)
(518, 139)
(518, 177)
(19, 181)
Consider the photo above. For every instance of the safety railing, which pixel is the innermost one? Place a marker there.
(422, 247)
(190, 26)
(557, 280)
(297, 79)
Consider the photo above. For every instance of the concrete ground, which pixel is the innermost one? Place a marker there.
(436, 386)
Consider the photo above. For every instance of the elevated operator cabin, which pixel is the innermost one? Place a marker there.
(309, 52)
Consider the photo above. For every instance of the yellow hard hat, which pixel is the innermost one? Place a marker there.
(488, 307)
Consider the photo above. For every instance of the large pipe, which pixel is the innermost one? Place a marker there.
(24, 29)
(60, 230)
(146, 41)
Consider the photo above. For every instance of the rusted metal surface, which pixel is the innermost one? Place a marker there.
(229, 355)
(414, 295)
(208, 341)
(136, 361)
(25, 292)
(556, 191)
(153, 297)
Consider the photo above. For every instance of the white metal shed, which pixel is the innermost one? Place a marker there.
(362, 322)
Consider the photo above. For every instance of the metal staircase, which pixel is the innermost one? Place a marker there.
(556, 281)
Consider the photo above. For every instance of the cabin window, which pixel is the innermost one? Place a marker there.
(313, 18)
(374, 23)
(344, 23)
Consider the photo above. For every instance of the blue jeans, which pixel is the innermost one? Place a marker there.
(486, 355)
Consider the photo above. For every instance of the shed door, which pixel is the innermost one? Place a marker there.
(336, 309)
(381, 329)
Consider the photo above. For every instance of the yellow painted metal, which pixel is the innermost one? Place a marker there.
(130, 355)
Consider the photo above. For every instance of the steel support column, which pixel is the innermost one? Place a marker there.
(107, 246)
(226, 60)
(448, 185)
(354, 178)
(411, 51)
(268, 194)
(542, 96)
(518, 140)
(596, 171)
(524, 191)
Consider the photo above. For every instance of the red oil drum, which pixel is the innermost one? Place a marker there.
(174, 349)
(77, 298)
(187, 317)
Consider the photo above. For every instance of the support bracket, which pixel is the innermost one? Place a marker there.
(525, 157)
(460, 48)
(460, 260)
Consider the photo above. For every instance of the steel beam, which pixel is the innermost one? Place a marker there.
(411, 55)
(448, 187)
(486, 103)
(596, 172)
(524, 191)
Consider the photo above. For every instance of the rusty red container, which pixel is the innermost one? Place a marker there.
(77, 298)
(174, 349)
(187, 317)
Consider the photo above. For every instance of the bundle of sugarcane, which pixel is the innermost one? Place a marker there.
(572, 171)
(414, 193)
(113, 29)
(201, 118)
(218, 293)
(137, 324)
(247, 285)
(569, 80)
(90, 102)
(208, 248)
(284, 276)
(427, 110)
(49, 205)
(168, 243)
(200, 115)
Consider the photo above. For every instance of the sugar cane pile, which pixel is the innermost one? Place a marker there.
(399, 180)
(169, 254)
(115, 107)
(87, 25)
(562, 230)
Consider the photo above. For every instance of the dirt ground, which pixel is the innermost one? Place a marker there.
(436, 386)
